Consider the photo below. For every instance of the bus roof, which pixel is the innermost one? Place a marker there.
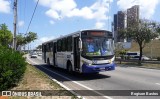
(74, 34)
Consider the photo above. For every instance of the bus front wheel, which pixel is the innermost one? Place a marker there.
(48, 62)
(69, 68)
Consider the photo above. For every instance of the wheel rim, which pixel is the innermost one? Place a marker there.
(48, 62)
(70, 68)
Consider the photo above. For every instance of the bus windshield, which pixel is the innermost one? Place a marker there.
(97, 46)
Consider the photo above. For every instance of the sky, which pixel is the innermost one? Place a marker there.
(54, 18)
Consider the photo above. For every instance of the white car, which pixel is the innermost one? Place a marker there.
(39, 54)
(33, 55)
(143, 57)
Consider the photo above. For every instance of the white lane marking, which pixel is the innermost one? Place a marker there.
(74, 81)
(158, 83)
(60, 83)
(39, 57)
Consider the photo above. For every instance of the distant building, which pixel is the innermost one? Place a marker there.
(115, 22)
(125, 19)
(115, 27)
(121, 20)
(119, 23)
(132, 15)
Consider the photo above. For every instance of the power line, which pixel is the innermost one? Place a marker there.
(24, 12)
(32, 16)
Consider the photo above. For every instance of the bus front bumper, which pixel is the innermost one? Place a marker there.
(97, 68)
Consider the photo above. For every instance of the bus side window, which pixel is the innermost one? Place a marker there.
(64, 44)
(51, 46)
(69, 43)
(47, 47)
(59, 45)
(42, 48)
(55, 47)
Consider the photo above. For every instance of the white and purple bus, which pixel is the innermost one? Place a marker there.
(85, 51)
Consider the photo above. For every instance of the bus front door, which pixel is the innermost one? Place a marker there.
(76, 54)
(54, 53)
(44, 53)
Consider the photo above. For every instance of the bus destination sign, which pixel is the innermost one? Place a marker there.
(97, 33)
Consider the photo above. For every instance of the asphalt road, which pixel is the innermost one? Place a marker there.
(120, 80)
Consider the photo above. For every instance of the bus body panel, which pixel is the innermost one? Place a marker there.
(62, 58)
(97, 68)
(68, 58)
(59, 59)
(93, 66)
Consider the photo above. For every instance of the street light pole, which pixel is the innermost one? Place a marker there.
(15, 24)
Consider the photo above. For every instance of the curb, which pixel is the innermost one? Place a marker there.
(62, 85)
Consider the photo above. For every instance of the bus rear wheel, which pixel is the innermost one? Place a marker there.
(69, 68)
(48, 62)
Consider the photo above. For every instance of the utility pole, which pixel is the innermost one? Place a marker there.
(15, 24)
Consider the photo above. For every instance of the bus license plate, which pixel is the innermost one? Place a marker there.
(102, 68)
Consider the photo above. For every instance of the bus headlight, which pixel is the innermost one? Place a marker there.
(110, 61)
(87, 63)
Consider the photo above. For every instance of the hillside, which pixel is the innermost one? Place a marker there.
(154, 46)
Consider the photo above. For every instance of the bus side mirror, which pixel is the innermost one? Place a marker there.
(80, 44)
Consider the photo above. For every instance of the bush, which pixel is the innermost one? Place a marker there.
(12, 67)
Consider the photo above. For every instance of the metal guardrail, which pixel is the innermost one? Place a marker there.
(135, 60)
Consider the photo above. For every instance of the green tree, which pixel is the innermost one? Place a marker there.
(21, 40)
(39, 47)
(118, 48)
(29, 37)
(142, 32)
(158, 29)
(5, 35)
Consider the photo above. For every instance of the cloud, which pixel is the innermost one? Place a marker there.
(99, 25)
(45, 3)
(53, 14)
(21, 23)
(81, 13)
(42, 40)
(147, 8)
(60, 9)
(4, 6)
(51, 22)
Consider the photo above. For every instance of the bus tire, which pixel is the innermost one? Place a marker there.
(48, 62)
(96, 73)
(69, 68)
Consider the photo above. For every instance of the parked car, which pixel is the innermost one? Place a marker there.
(145, 58)
(132, 54)
(39, 54)
(137, 57)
